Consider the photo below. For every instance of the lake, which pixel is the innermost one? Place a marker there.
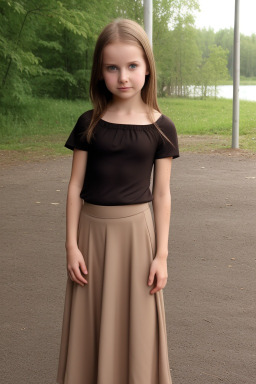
(246, 92)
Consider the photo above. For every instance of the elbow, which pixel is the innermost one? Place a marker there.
(163, 193)
(162, 197)
(74, 189)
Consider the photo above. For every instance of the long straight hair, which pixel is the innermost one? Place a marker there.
(129, 32)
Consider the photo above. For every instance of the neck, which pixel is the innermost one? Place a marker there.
(127, 107)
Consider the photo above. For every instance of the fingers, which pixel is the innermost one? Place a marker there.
(157, 275)
(159, 283)
(83, 267)
(151, 278)
(76, 276)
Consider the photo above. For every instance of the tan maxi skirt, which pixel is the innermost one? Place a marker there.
(114, 330)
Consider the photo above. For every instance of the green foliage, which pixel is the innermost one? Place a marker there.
(214, 68)
(185, 57)
(225, 39)
(176, 52)
(248, 55)
(46, 47)
(39, 117)
(27, 42)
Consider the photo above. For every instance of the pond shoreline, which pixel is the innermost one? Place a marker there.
(246, 92)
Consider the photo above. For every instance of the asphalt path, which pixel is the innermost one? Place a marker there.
(210, 294)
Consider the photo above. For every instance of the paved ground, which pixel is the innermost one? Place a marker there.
(210, 295)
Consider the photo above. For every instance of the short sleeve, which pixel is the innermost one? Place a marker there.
(165, 148)
(77, 138)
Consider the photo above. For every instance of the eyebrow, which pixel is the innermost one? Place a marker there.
(130, 62)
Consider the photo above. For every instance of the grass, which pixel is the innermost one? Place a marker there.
(212, 118)
(41, 127)
(40, 117)
(207, 117)
(243, 81)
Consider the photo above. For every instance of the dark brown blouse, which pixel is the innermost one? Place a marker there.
(120, 158)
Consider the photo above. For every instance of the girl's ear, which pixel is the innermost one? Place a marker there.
(147, 71)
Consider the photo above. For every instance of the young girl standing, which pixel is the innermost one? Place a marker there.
(114, 329)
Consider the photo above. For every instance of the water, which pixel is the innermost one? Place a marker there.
(246, 92)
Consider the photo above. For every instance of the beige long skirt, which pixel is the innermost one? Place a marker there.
(114, 330)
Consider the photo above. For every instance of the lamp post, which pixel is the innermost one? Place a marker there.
(148, 12)
(236, 78)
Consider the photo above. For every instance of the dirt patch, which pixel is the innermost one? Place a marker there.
(212, 144)
(217, 145)
(13, 158)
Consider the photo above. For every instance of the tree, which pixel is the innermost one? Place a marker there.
(248, 56)
(177, 55)
(214, 68)
(19, 37)
(225, 39)
(205, 38)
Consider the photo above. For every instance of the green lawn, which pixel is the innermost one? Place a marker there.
(212, 118)
(43, 125)
(243, 81)
(207, 117)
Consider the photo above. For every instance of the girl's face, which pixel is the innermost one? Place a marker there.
(124, 69)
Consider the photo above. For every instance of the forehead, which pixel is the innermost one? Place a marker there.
(122, 52)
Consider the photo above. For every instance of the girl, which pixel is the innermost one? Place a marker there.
(114, 329)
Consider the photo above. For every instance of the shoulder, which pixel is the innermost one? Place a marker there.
(85, 117)
(166, 123)
(163, 121)
(83, 122)
(169, 147)
(77, 138)
(167, 126)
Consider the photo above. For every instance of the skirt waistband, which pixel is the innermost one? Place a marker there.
(113, 211)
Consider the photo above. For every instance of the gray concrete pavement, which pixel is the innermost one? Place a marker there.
(210, 294)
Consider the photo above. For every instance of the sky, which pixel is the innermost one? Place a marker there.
(220, 14)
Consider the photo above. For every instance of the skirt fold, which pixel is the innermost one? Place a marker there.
(114, 330)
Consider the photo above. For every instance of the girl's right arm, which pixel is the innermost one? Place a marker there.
(75, 259)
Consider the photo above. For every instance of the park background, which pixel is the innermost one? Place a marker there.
(46, 50)
(45, 58)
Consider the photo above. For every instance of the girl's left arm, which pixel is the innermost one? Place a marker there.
(162, 212)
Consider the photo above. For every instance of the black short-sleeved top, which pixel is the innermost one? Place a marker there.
(120, 158)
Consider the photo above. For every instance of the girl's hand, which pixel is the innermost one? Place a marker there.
(158, 274)
(76, 265)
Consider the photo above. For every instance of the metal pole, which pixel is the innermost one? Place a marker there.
(148, 12)
(236, 78)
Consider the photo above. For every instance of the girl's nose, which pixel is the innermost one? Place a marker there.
(123, 75)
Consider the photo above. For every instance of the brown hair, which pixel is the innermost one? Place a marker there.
(127, 31)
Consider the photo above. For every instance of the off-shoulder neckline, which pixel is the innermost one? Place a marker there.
(139, 126)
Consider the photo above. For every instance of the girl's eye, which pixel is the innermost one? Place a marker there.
(111, 68)
(133, 66)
